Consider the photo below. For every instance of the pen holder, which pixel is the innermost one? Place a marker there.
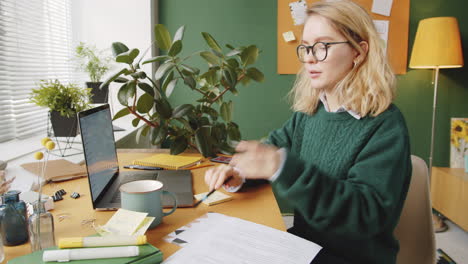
(145, 196)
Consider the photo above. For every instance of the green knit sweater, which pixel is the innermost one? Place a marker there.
(347, 180)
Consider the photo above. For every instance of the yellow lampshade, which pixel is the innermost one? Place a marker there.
(437, 44)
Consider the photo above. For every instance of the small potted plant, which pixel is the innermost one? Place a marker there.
(95, 63)
(63, 101)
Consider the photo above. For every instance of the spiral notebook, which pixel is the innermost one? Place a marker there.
(167, 161)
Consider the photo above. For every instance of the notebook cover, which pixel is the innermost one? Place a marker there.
(36, 257)
(57, 170)
(168, 161)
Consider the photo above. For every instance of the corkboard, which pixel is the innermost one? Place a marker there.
(397, 49)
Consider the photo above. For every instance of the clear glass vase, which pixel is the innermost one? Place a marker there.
(41, 228)
(13, 220)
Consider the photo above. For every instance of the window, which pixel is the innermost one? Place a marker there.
(35, 44)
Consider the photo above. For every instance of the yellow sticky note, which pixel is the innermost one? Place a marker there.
(215, 198)
(289, 36)
(125, 222)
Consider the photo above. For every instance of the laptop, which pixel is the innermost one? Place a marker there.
(103, 167)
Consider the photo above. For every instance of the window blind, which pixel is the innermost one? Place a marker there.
(35, 44)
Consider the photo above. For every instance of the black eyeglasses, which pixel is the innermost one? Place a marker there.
(319, 50)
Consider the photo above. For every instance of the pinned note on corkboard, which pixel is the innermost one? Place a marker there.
(397, 45)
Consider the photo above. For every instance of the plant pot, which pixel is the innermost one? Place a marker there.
(63, 126)
(99, 96)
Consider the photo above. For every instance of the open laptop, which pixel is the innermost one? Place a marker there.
(103, 168)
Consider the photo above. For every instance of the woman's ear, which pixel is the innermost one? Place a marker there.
(360, 56)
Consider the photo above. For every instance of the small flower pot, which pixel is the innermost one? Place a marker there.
(99, 96)
(63, 126)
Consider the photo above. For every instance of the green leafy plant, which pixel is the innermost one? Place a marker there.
(206, 124)
(92, 61)
(66, 99)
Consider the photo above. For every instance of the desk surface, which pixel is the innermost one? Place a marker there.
(255, 204)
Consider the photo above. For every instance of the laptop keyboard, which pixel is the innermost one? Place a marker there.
(130, 178)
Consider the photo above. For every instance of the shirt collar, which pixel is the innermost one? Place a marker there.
(323, 99)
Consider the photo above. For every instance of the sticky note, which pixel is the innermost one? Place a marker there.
(382, 7)
(289, 36)
(215, 198)
(298, 12)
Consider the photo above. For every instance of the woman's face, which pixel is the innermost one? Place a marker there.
(339, 61)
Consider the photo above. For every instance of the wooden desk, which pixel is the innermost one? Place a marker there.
(257, 205)
(449, 194)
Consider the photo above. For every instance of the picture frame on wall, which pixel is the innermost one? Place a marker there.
(458, 141)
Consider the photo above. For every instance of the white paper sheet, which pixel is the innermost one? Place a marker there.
(230, 240)
(382, 27)
(382, 7)
(298, 12)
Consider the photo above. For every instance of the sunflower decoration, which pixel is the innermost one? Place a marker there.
(459, 135)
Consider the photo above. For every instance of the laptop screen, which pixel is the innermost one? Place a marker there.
(99, 148)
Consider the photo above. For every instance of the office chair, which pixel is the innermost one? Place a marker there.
(414, 230)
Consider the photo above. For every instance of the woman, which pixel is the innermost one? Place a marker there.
(342, 160)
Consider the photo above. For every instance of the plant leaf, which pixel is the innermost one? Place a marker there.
(121, 80)
(233, 52)
(211, 41)
(122, 94)
(121, 113)
(167, 79)
(179, 145)
(170, 87)
(175, 49)
(142, 131)
(163, 38)
(179, 35)
(128, 56)
(145, 103)
(146, 88)
(249, 55)
(210, 57)
(118, 48)
(135, 122)
(182, 110)
(134, 53)
(203, 141)
(255, 74)
(229, 46)
(155, 59)
(190, 81)
(190, 69)
(158, 134)
(112, 78)
(163, 69)
(225, 111)
(163, 108)
(233, 131)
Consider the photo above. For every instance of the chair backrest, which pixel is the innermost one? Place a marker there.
(415, 230)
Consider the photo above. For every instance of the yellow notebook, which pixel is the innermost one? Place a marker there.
(167, 161)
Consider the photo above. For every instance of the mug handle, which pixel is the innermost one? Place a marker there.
(175, 202)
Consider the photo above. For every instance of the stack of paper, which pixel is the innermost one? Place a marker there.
(215, 198)
(217, 238)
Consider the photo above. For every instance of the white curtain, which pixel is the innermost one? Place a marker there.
(35, 44)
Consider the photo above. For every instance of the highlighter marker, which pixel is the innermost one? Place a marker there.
(105, 241)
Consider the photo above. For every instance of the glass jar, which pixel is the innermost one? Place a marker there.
(41, 228)
(13, 220)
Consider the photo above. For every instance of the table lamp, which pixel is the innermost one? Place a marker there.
(437, 46)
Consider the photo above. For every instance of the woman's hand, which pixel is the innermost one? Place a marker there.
(255, 160)
(216, 176)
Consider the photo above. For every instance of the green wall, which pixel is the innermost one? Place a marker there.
(262, 107)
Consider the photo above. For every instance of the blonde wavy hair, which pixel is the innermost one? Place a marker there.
(369, 88)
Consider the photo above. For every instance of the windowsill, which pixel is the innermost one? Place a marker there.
(18, 152)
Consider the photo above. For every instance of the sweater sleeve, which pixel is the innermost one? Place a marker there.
(365, 201)
(282, 137)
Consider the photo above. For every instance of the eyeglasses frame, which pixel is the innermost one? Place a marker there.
(311, 48)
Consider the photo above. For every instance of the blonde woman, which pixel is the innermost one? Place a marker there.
(342, 160)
